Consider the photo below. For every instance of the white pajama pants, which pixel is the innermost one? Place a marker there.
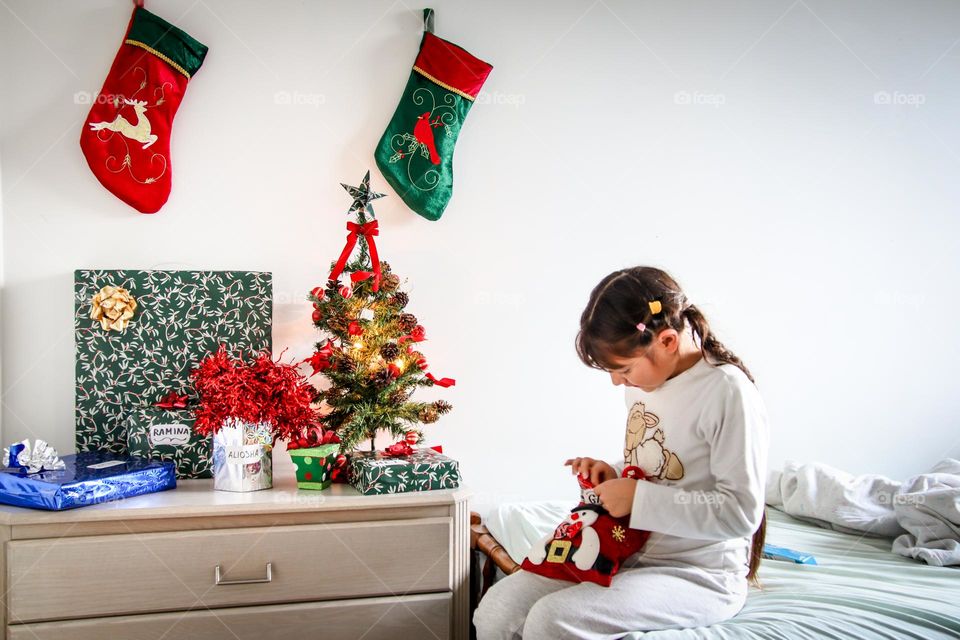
(643, 598)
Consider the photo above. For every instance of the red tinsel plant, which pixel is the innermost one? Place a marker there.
(261, 390)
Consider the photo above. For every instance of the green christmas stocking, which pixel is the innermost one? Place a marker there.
(415, 153)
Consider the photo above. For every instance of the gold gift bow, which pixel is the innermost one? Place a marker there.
(112, 307)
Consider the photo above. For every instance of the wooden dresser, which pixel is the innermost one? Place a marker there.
(196, 563)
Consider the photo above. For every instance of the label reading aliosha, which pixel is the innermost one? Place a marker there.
(247, 454)
(171, 434)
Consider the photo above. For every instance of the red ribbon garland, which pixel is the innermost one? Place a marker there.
(172, 400)
(368, 231)
(442, 382)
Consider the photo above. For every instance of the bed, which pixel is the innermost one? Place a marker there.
(858, 589)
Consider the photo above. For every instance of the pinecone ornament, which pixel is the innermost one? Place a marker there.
(338, 324)
(407, 322)
(346, 365)
(399, 396)
(332, 394)
(429, 414)
(382, 377)
(442, 406)
(400, 299)
(390, 351)
(390, 282)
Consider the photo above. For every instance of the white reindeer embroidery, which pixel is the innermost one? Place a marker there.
(139, 131)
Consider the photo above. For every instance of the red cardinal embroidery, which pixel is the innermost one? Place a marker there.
(423, 132)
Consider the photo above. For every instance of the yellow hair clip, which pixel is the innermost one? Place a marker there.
(655, 307)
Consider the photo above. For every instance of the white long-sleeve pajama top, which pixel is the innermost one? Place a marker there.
(701, 439)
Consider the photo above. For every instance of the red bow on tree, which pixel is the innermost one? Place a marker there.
(172, 400)
(368, 230)
(320, 360)
(419, 334)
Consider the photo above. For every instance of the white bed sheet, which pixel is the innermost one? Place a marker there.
(858, 589)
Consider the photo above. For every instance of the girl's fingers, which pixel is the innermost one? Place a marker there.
(585, 466)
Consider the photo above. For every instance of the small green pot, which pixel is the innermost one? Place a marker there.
(314, 465)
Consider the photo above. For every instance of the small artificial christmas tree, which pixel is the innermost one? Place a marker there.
(370, 354)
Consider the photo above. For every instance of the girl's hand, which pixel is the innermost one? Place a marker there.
(616, 496)
(596, 470)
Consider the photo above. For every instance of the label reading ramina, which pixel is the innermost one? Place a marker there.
(171, 434)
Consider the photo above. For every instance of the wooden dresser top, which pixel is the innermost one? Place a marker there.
(194, 498)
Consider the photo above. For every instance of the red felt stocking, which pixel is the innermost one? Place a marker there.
(590, 544)
(126, 137)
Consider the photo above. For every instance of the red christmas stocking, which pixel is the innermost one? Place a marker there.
(590, 544)
(126, 137)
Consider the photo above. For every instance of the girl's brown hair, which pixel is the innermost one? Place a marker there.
(608, 330)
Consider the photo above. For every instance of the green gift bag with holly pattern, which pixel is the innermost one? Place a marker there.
(415, 153)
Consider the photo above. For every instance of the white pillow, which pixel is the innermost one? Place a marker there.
(518, 525)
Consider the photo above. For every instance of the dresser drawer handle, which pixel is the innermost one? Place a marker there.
(218, 582)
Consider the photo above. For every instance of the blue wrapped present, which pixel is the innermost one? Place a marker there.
(86, 478)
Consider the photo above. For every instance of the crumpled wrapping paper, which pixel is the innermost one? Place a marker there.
(32, 458)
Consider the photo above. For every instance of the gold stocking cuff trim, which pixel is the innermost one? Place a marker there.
(429, 77)
(170, 62)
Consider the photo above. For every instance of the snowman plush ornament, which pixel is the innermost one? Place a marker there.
(579, 521)
(590, 544)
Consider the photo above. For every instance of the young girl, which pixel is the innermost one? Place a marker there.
(698, 428)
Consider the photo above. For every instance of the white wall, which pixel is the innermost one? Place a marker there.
(743, 146)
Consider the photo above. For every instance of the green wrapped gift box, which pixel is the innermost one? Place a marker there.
(374, 473)
(176, 318)
(314, 465)
(167, 434)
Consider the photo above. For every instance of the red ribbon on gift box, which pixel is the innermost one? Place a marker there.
(368, 230)
(398, 449)
(402, 448)
(172, 400)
